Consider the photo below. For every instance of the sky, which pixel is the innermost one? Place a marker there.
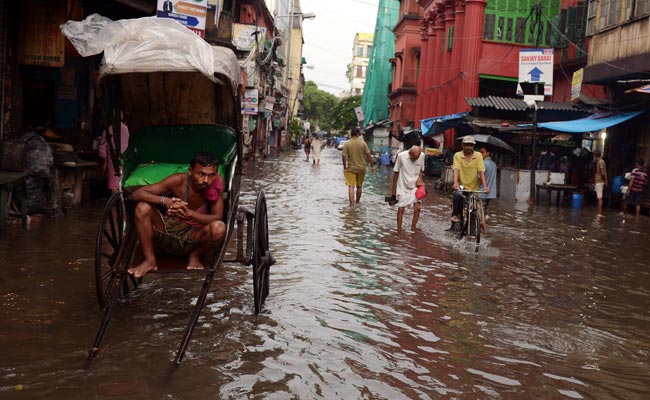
(329, 38)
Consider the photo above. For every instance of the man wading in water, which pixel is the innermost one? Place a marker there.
(190, 223)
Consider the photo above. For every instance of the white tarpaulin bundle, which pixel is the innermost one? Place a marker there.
(149, 44)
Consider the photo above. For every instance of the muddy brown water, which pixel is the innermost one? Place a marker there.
(556, 304)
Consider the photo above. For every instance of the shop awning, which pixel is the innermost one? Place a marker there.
(435, 125)
(592, 123)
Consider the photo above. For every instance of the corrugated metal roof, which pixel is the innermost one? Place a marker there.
(549, 105)
(514, 104)
(500, 103)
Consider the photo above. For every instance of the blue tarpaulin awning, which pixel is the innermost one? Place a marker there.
(592, 123)
(436, 125)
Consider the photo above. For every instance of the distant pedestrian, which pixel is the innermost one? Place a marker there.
(600, 179)
(355, 154)
(316, 146)
(490, 178)
(407, 177)
(636, 188)
(113, 181)
(307, 144)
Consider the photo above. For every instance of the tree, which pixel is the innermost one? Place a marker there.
(318, 106)
(348, 73)
(295, 129)
(344, 116)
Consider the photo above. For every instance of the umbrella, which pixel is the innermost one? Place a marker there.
(492, 141)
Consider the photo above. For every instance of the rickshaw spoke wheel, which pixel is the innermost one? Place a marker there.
(110, 237)
(262, 257)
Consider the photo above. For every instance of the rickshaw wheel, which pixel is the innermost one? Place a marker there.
(262, 258)
(110, 236)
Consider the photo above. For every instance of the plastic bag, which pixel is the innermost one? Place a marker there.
(146, 44)
(421, 192)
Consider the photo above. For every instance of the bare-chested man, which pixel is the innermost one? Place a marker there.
(192, 222)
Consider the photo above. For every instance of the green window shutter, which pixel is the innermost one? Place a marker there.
(520, 30)
(488, 27)
(570, 30)
(500, 28)
(556, 37)
(450, 38)
(509, 29)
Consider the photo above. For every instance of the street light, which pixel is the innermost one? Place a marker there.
(303, 15)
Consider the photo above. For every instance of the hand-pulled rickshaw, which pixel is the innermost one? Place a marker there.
(179, 95)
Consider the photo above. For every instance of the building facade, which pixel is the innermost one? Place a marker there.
(618, 62)
(361, 50)
(471, 49)
(406, 62)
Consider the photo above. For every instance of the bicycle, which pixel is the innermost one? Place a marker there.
(469, 223)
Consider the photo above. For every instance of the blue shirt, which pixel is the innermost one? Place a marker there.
(490, 179)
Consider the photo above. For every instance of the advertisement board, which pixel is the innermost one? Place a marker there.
(190, 13)
(243, 36)
(536, 65)
(250, 102)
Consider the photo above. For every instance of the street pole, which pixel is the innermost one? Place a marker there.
(289, 82)
(533, 167)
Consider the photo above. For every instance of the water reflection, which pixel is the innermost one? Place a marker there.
(554, 305)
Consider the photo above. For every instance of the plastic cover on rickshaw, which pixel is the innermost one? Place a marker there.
(150, 44)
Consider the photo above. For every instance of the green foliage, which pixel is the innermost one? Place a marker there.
(319, 105)
(344, 116)
(295, 129)
(348, 73)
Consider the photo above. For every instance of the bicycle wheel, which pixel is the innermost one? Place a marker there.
(457, 229)
(467, 217)
(477, 227)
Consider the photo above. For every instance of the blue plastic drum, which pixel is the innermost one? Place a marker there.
(576, 200)
(385, 159)
(616, 184)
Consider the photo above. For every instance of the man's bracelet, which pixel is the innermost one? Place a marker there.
(162, 200)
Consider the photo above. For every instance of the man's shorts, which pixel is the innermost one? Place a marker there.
(599, 190)
(177, 238)
(354, 179)
(634, 198)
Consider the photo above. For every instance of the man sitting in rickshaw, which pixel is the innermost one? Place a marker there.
(181, 215)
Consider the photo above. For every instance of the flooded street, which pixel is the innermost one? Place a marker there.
(555, 304)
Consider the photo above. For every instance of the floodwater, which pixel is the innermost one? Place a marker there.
(555, 304)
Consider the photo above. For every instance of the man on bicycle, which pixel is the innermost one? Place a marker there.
(468, 164)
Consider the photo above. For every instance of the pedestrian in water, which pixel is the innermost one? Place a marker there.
(636, 188)
(600, 179)
(113, 181)
(355, 154)
(407, 177)
(490, 178)
(316, 145)
(307, 147)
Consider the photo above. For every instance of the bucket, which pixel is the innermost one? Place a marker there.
(576, 200)
(616, 184)
(385, 159)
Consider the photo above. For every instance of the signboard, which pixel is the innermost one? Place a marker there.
(359, 111)
(41, 40)
(250, 102)
(190, 13)
(243, 36)
(536, 65)
(270, 103)
(576, 84)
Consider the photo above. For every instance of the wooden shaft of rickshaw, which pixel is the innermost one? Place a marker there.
(189, 329)
(113, 295)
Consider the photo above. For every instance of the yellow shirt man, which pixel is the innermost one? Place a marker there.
(469, 169)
